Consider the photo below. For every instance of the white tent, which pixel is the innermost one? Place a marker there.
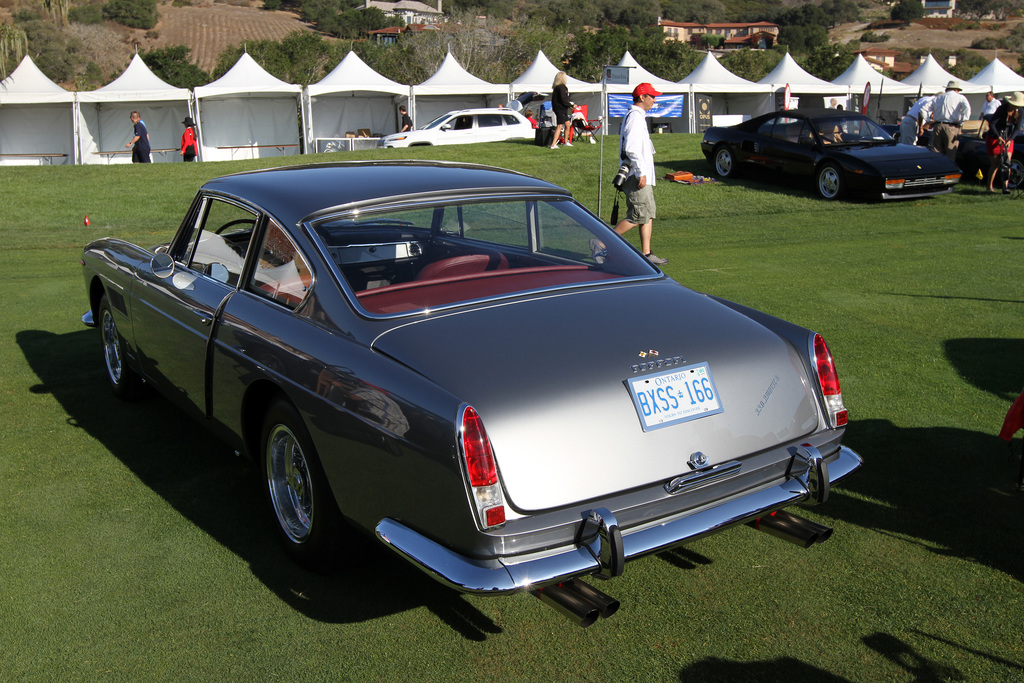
(37, 118)
(450, 88)
(730, 94)
(813, 89)
(540, 76)
(888, 101)
(997, 78)
(351, 98)
(103, 116)
(638, 75)
(248, 114)
(930, 77)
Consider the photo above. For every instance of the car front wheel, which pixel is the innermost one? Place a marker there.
(725, 162)
(296, 490)
(831, 184)
(125, 382)
(1016, 179)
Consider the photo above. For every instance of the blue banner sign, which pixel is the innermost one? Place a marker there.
(667, 106)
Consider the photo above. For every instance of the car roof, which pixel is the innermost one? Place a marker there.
(294, 193)
(483, 110)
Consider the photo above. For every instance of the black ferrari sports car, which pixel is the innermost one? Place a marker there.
(840, 152)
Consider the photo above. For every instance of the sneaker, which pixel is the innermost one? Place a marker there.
(598, 251)
(554, 146)
(656, 260)
(567, 144)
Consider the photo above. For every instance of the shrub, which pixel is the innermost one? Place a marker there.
(872, 37)
(86, 14)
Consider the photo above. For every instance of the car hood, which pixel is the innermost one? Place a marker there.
(549, 376)
(902, 159)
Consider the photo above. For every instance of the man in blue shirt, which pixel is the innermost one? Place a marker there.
(140, 152)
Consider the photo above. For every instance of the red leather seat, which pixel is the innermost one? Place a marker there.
(469, 264)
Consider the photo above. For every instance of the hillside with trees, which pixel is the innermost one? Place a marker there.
(84, 45)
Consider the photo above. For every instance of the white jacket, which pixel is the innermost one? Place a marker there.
(636, 144)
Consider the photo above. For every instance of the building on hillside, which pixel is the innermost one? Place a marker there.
(759, 35)
(391, 34)
(884, 60)
(939, 8)
(410, 11)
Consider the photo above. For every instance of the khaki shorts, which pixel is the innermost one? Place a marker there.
(639, 202)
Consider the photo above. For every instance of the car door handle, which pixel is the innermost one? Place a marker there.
(204, 317)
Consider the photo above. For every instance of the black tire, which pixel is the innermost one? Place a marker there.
(725, 162)
(1016, 179)
(295, 489)
(829, 182)
(124, 381)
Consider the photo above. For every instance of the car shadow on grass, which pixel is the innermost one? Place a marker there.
(218, 492)
(951, 490)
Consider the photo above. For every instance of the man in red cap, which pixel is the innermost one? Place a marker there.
(637, 151)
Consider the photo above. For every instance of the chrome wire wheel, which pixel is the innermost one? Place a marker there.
(290, 484)
(111, 347)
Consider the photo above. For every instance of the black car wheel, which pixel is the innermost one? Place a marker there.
(725, 162)
(296, 490)
(125, 382)
(1016, 174)
(831, 184)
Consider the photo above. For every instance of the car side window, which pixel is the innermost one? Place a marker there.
(510, 120)
(219, 241)
(282, 272)
(488, 120)
(463, 122)
(765, 128)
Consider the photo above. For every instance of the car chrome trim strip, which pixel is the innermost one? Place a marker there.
(508, 576)
(688, 482)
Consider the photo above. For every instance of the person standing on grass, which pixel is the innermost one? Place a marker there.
(1003, 126)
(637, 151)
(140, 151)
(991, 104)
(406, 121)
(188, 140)
(912, 124)
(949, 111)
(561, 105)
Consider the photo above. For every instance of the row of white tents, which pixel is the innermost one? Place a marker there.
(248, 113)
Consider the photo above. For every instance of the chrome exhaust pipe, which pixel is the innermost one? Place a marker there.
(578, 601)
(802, 532)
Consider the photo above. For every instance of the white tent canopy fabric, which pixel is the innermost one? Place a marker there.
(103, 116)
(540, 76)
(638, 75)
(247, 114)
(450, 88)
(729, 94)
(37, 118)
(930, 77)
(350, 98)
(711, 77)
(998, 78)
(788, 72)
(860, 73)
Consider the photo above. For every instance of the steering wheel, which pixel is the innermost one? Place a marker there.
(249, 221)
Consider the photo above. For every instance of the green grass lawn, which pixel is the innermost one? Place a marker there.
(132, 546)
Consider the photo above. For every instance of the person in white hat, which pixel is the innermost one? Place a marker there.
(1003, 126)
(949, 111)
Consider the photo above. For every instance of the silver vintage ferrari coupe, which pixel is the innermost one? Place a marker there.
(469, 365)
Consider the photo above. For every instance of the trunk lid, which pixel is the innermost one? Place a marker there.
(550, 378)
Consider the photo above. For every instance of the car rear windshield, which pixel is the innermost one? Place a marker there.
(849, 129)
(404, 260)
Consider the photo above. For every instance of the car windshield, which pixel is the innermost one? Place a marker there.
(403, 260)
(438, 121)
(841, 129)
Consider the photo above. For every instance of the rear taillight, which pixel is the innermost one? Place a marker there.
(481, 469)
(828, 379)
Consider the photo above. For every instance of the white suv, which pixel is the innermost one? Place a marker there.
(465, 126)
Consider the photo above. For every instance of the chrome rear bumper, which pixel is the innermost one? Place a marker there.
(509, 575)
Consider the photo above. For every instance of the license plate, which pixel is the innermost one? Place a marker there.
(675, 396)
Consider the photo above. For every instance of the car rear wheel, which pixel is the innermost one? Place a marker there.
(725, 162)
(1016, 179)
(831, 184)
(125, 382)
(295, 488)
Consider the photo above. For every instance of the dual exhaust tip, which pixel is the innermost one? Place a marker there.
(578, 601)
(584, 604)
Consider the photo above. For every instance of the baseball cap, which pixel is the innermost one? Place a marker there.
(645, 89)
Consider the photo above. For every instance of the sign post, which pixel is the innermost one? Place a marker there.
(612, 75)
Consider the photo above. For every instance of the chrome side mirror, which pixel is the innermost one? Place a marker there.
(162, 265)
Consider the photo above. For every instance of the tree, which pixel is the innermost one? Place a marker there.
(752, 65)
(828, 61)
(172, 65)
(133, 13)
(701, 11)
(907, 11)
